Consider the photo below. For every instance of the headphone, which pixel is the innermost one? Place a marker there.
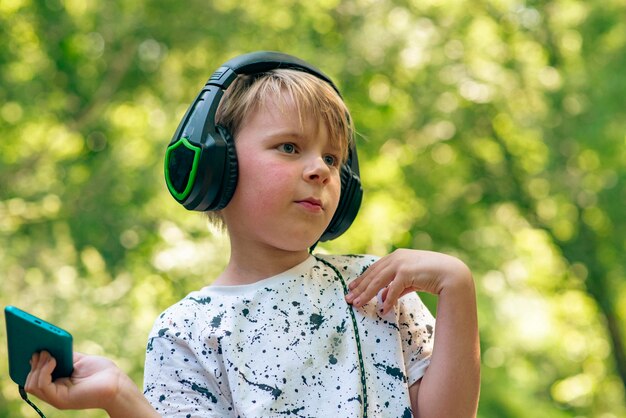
(201, 160)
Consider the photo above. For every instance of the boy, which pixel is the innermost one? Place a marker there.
(275, 334)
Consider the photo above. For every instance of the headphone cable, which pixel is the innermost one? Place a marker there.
(356, 336)
(24, 396)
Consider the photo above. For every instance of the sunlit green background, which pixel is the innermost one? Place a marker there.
(494, 130)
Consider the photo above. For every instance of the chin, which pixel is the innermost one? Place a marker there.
(299, 243)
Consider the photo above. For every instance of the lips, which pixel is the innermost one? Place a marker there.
(311, 203)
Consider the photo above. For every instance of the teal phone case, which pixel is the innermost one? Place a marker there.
(26, 335)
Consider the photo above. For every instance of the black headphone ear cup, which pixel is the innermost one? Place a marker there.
(348, 207)
(231, 169)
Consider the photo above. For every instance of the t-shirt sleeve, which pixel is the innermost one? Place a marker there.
(417, 328)
(177, 382)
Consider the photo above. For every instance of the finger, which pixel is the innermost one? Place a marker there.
(371, 270)
(356, 282)
(34, 361)
(51, 392)
(77, 359)
(36, 364)
(36, 379)
(370, 289)
(393, 293)
(383, 296)
(32, 375)
(47, 365)
(358, 285)
(353, 287)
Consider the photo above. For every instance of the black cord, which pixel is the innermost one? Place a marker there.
(24, 396)
(356, 335)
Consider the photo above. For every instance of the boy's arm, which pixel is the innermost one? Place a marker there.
(450, 386)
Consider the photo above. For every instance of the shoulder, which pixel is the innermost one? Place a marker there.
(184, 313)
(350, 265)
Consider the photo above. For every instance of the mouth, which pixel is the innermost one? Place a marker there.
(311, 204)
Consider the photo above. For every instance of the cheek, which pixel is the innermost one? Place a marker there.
(337, 194)
(261, 184)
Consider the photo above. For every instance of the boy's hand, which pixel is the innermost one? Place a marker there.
(454, 370)
(96, 382)
(404, 271)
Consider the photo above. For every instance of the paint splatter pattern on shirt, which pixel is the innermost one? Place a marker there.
(285, 346)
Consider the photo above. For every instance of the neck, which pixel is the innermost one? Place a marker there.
(250, 263)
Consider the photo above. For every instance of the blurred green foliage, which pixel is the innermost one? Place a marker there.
(493, 130)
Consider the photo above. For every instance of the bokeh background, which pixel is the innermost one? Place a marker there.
(494, 130)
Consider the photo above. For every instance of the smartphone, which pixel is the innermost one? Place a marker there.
(26, 335)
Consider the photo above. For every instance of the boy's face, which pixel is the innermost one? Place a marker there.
(289, 179)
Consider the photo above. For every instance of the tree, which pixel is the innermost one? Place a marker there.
(492, 130)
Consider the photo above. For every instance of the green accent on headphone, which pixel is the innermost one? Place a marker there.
(171, 161)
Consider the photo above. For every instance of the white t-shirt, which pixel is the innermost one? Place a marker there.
(287, 346)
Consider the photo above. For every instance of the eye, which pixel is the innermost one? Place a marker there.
(288, 148)
(331, 160)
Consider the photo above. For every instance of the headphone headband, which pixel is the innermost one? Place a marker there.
(201, 160)
(260, 62)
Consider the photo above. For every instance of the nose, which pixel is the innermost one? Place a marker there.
(317, 170)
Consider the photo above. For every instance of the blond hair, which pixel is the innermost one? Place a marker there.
(312, 96)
